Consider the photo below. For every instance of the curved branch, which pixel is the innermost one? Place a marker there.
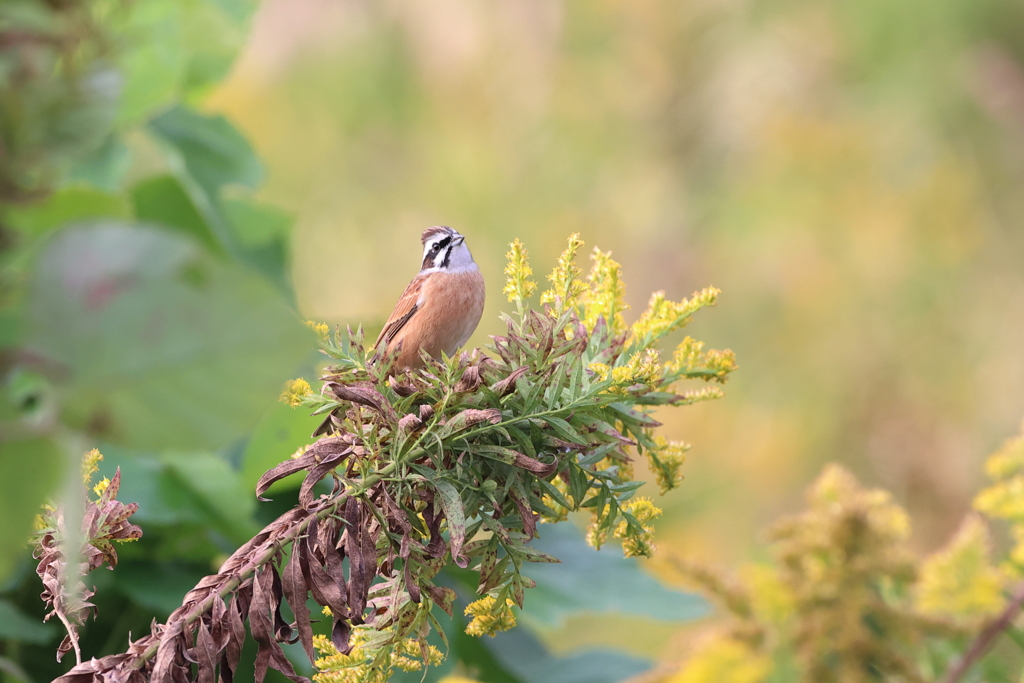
(987, 636)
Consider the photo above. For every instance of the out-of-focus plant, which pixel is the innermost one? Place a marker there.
(846, 600)
(454, 465)
(65, 558)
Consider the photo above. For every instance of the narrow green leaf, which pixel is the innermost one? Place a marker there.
(455, 515)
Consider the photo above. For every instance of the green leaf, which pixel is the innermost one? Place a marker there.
(105, 167)
(158, 586)
(29, 472)
(613, 584)
(71, 203)
(163, 200)
(262, 232)
(160, 344)
(527, 658)
(280, 433)
(451, 503)
(213, 32)
(153, 63)
(217, 490)
(16, 626)
(213, 151)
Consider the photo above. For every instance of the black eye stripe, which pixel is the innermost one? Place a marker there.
(442, 244)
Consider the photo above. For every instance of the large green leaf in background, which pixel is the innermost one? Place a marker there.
(174, 49)
(281, 432)
(614, 584)
(159, 344)
(213, 151)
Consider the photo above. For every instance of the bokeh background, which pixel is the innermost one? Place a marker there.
(849, 174)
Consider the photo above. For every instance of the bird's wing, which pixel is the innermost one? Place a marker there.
(404, 310)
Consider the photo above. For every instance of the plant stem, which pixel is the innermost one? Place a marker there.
(987, 636)
(263, 558)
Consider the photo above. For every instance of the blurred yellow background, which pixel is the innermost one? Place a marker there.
(848, 174)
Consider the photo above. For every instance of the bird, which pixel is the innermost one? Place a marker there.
(440, 308)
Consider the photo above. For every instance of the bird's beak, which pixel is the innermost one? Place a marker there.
(459, 240)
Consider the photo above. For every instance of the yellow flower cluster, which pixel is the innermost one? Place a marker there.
(566, 285)
(663, 316)
(690, 358)
(770, 599)
(1005, 498)
(959, 580)
(698, 395)
(518, 285)
(294, 391)
(322, 329)
(90, 465)
(666, 461)
(605, 298)
(101, 486)
(638, 543)
(643, 367)
(724, 660)
(362, 665)
(489, 617)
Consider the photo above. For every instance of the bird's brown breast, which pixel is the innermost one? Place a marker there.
(448, 311)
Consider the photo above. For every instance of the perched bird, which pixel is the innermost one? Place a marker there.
(441, 306)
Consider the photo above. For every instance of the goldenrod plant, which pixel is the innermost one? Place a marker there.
(845, 600)
(452, 465)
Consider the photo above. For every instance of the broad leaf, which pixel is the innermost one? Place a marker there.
(16, 626)
(281, 432)
(160, 345)
(213, 151)
(614, 584)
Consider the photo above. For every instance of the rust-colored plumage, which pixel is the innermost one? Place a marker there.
(441, 307)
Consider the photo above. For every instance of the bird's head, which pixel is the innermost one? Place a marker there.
(445, 250)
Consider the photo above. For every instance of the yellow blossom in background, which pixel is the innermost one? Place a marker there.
(566, 285)
(295, 390)
(322, 329)
(698, 395)
(1005, 498)
(666, 461)
(518, 285)
(1007, 461)
(489, 617)
(638, 543)
(597, 535)
(725, 660)
(605, 298)
(90, 465)
(771, 600)
(959, 580)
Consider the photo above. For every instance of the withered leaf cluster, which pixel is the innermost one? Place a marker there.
(105, 520)
(453, 464)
